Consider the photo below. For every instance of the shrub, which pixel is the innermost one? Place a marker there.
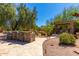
(67, 39)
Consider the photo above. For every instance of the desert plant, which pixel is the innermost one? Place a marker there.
(67, 39)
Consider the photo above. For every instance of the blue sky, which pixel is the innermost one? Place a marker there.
(46, 11)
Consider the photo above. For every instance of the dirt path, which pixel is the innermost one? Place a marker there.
(29, 49)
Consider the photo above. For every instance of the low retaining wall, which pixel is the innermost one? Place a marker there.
(77, 35)
(47, 46)
(21, 35)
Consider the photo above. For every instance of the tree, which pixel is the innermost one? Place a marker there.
(7, 14)
(48, 28)
(33, 18)
(66, 15)
(17, 18)
(26, 17)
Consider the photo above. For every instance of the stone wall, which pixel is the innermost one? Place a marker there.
(77, 35)
(21, 35)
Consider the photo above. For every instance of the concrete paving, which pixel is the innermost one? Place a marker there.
(18, 49)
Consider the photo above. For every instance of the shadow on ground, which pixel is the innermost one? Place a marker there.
(65, 46)
(13, 42)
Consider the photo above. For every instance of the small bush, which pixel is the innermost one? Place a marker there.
(67, 39)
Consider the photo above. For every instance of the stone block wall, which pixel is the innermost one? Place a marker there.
(77, 35)
(21, 35)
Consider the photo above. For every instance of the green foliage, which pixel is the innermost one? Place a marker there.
(67, 14)
(7, 15)
(49, 28)
(77, 24)
(22, 18)
(67, 39)
(17, 18)
(26, 17)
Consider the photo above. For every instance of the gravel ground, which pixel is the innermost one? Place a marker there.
(57, 50)
(17, 48)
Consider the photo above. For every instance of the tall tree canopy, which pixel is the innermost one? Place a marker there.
(26, 17)
(67, 14)
(7, 14)
(17, 18)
